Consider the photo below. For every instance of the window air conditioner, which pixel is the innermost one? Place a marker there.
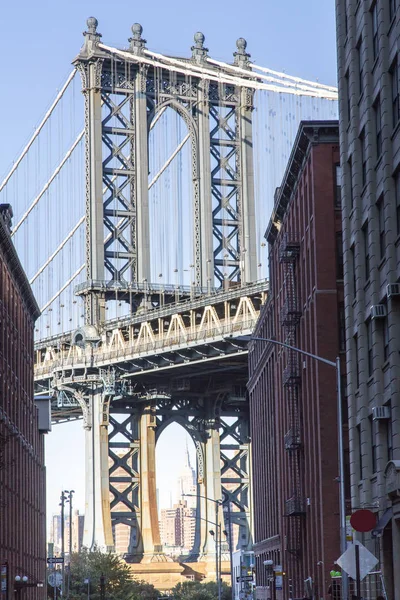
(380, 413)
(378, 311)
(393, 289)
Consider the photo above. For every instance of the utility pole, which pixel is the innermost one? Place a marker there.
(63, 499)
(230, 546)
(216, 551)
(70, 494)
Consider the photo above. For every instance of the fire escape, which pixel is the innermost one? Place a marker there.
(289, 251)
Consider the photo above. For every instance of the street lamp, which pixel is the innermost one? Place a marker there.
(69, 499)
(218, 543)
(217, 504)
(342, 501)
(22, 582)
(63, 499)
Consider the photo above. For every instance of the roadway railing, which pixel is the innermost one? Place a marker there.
(169, 309)
(138, 347)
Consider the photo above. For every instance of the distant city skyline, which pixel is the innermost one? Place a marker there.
(178, 522)
(171, 458)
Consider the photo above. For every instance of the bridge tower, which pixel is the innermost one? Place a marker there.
(132, 88)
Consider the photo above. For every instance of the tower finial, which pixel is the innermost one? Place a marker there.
(92, 33)
(241, 56)
(92, 36)
(137, 43)
(199, 52)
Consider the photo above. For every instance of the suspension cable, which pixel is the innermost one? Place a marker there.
(293, 78)
(38, 130)
(173, 64)
(49, 182)
(58, 249)
(60, 291)
(169, 160)
(277, 78)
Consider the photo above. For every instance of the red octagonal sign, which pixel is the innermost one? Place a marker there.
(363, 520)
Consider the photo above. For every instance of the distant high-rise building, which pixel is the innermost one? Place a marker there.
(368, 37)
(187, 482)
(54, 536)
(177, 528)
(77, 531)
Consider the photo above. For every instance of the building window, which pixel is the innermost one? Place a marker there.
(347, 95)
(366, 250)
(353, 266)
(375, 38)
(378, 126)
(397, 196)
(350, 164)
(346, 19)
(338, 186)
(363, 159)
(394, 82)
(390, 436)
(373, 444)
(357, 362)
(385, 339)
(339, 256)
(369, 348)
(392, 9)
(358, 428)
(360, 66)
(381, 217)
(342, 327)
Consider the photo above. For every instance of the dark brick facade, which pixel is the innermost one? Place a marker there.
(22, 472)
(293, 398)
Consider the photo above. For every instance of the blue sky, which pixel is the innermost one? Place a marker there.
(39, 39)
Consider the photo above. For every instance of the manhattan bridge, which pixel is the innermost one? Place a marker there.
(139, 206)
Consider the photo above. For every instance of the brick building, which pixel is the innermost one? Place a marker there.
(293, 399)
(22, 472)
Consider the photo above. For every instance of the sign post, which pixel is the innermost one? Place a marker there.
(55, 560)
(358, 575)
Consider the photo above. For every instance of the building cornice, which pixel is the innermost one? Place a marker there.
(9, 252)
(310, 133)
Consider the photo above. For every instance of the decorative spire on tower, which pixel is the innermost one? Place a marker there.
(137, 43)
(92, 33)
(187, 456)
(199, 53)
(241, 56)
(92, 36)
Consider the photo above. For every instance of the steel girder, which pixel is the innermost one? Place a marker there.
(224, 412)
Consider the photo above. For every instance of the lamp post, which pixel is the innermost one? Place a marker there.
(69, 499)
(342, 501)
(63, 499)
(217, 504)
(22, 582)
(218, 543)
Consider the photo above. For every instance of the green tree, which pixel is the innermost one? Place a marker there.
(87, 567)
(195, 590)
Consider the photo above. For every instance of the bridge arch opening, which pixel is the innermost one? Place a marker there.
(171, 199)
(176, 476)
